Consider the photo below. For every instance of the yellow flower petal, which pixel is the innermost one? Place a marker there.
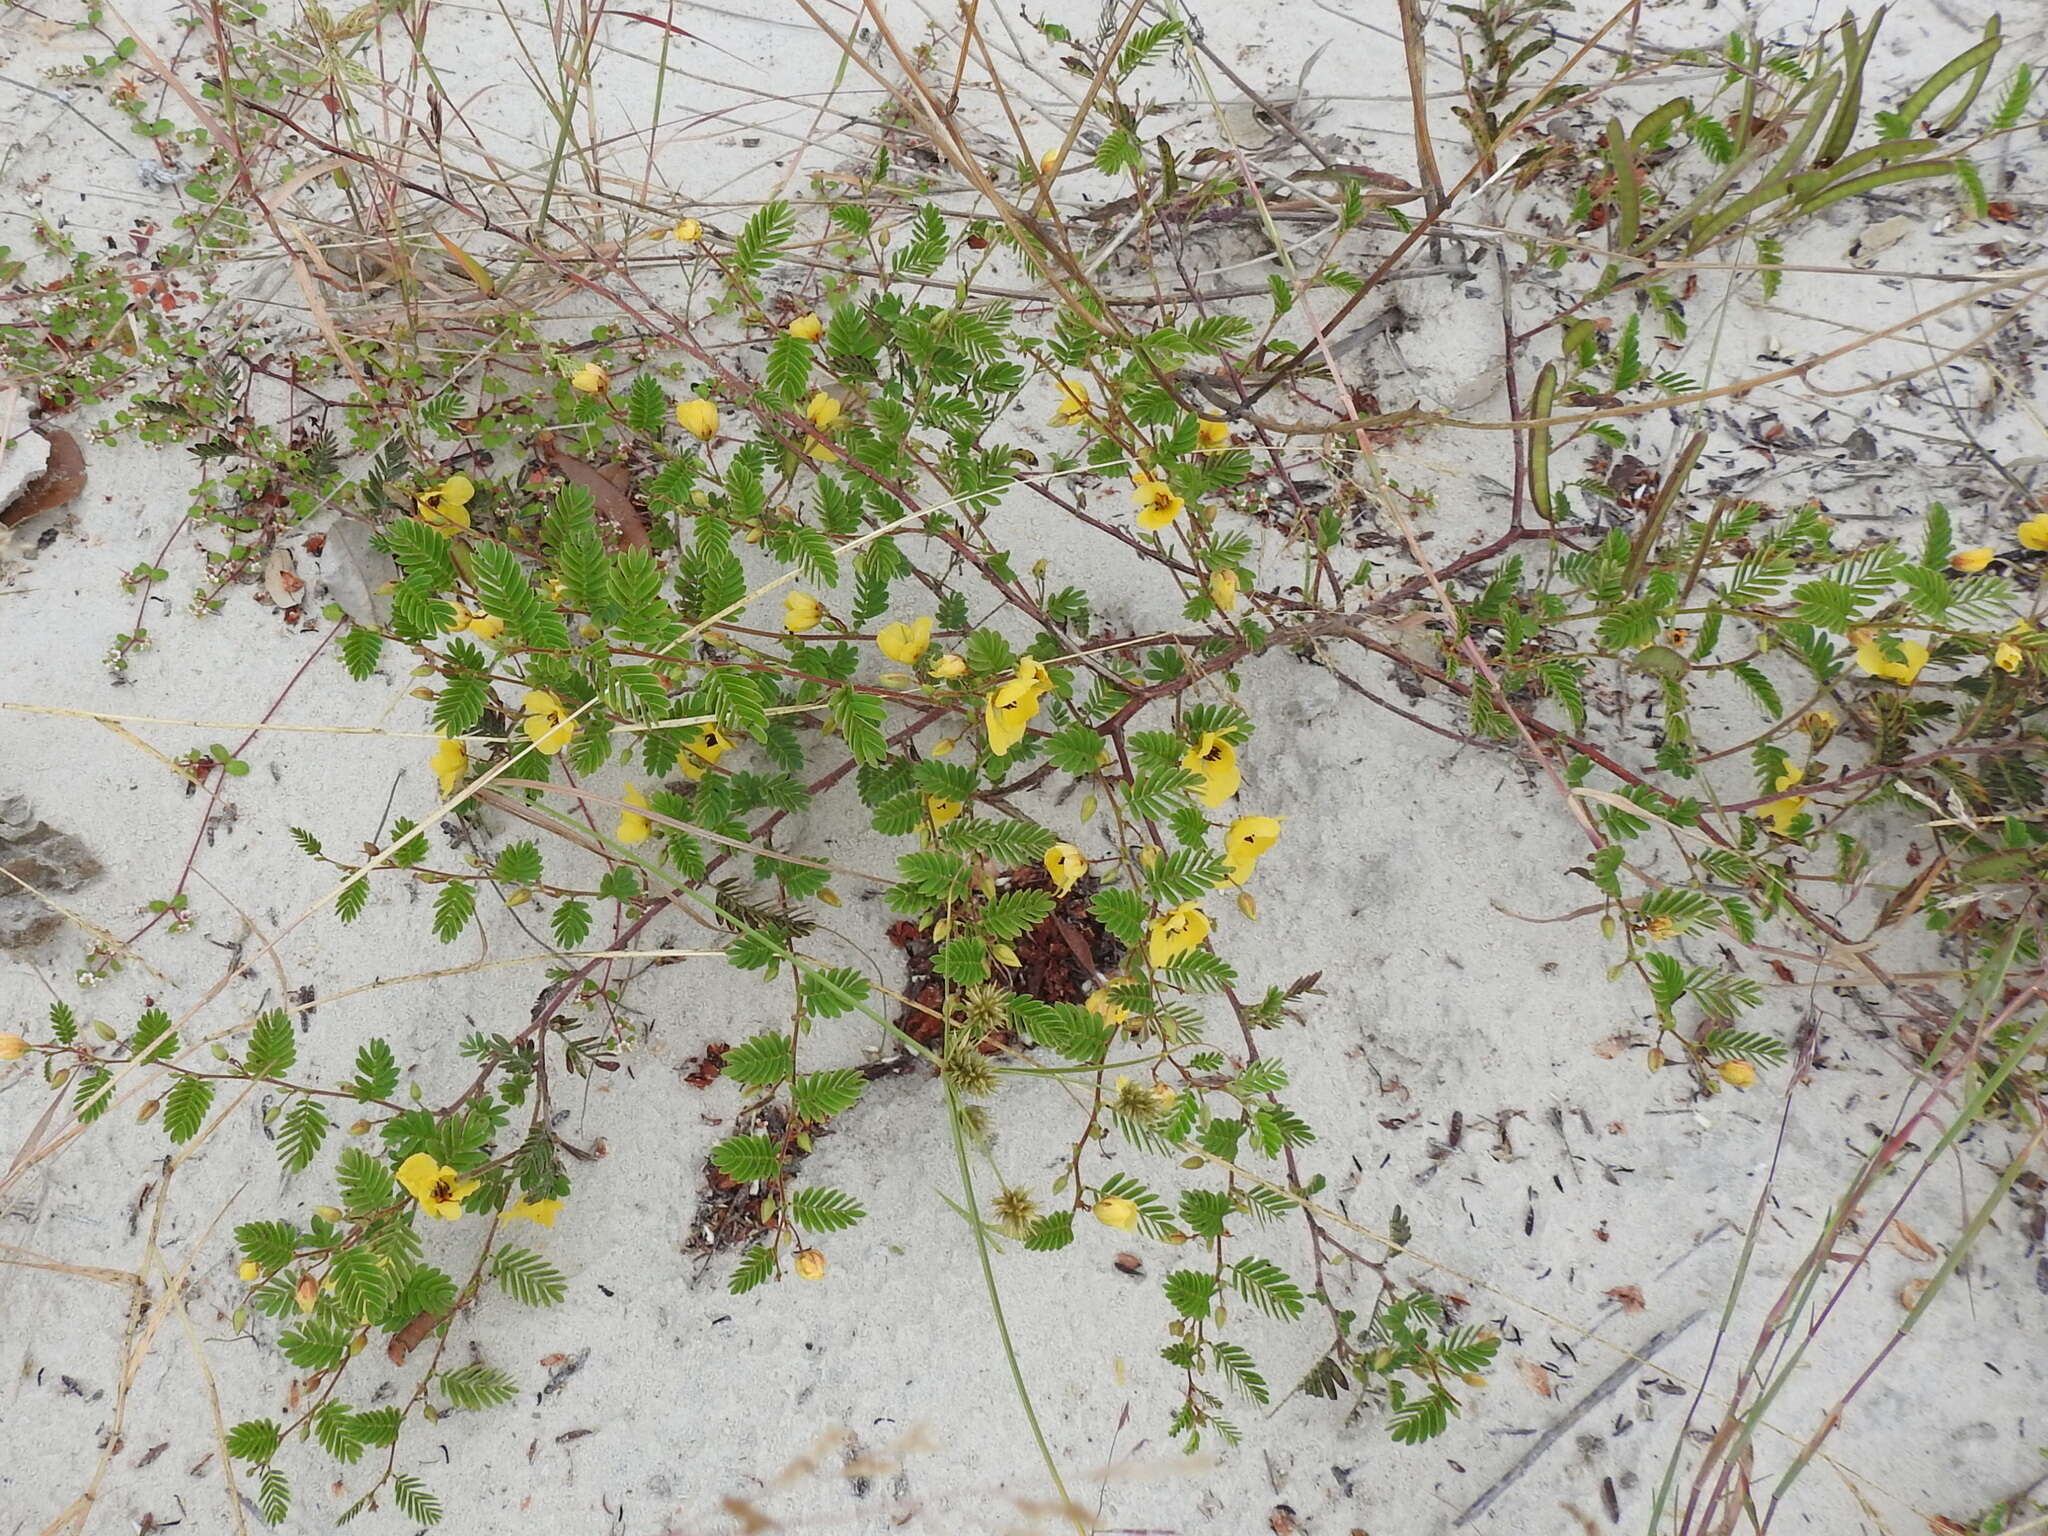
(590, 379)
(1223, 589)
(1174, 933)
(2034, 532)
(546, 723)
(942, 810)
(1072, 409)
(449, 762)
(698, 417)
(823, 410)
(952, 664)
(541, 1213)
(1212, 434)
(688, 231)
(801, 611)
(1214, 760)
(1066, 864)
(905, 642)
(1158, 506)
(2008, 657)
(709, 743)
(809, 1264)
(486, 626)
(1970, 561)
(1248, 839)
(1874, 661)
(633, 827)
(1103, 1007)
(445, 508)
(806, 327)
(437, 1187)
(1115, 1211)
(1780, 814)
(1008, 714)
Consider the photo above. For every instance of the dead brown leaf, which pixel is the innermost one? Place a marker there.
(1910, 1243)
(607, 487)
(1536, 1379)
(61, 481)
(1629, 1298)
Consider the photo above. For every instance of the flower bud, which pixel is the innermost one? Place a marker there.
(1737, 1074)
(810, 1264)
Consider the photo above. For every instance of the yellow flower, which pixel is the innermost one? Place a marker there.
(905, 642)
(941, 810)
(1215, 761)
(485, 626)
(1223, 589)
(541, 1213)
(445, 508)
(1249, 839)
(306, 1294)
(1157, 504)
(801, 611)
(698, 417)
(708, 743)
(1779, 814)
(2007, 657)
(1737, 1074)
(1066, 864)
(547, 724)
(437, 1187)
(1048, 160)
(1877, 664)
(1073, 407)
(12, 1047)
(1819, 723)
(809, 1264)
(633, 827)
(688, 231)
(591, 379)
(952, 664)
(1970, 561)
(807, 327)
(2034, 532)
(1012, 707)
(1115, 1211)
(1174, 933)
(1212, 434)
(1103, 1007)
(458, 620)
(449, 762)
(249, 1270)
(823, 410)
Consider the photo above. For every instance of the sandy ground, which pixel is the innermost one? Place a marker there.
(1469, 1068)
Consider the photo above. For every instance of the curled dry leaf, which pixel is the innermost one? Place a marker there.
(61, 481)
(1536, 1379)
(281, 581)
(1628, 1297)
(1910, 1243)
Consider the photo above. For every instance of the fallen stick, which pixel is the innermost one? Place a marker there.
(1608, 1386)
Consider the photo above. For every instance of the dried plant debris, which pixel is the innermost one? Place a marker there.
(41, 862)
